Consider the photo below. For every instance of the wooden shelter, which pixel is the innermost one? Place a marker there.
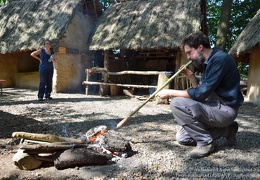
(146, 35)
(24, 25)
(247, 49)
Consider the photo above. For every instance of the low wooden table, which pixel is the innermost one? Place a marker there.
(1, 85)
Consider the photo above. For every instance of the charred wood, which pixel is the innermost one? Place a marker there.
(79, 157)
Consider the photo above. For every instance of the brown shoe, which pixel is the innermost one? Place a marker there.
(191, 143)
(231, 139)
(201, 151)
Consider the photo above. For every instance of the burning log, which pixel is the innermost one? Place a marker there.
(79, 157)
(114, 143)
(93, 133)
(98, 147)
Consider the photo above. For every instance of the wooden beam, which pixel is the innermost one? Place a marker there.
(114, 84)
(104, 90)
(137, 72)
(103, 70)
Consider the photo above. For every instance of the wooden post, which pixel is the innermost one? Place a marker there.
(162, 79)
(180, 60)
(178, 64)
(87, 79)
(104, 90)
(1, 85)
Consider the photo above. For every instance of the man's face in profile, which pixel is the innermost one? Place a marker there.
(195, 55)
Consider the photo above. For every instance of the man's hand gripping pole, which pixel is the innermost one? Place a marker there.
(121, 123)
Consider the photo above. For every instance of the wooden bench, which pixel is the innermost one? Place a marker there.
(1, 85)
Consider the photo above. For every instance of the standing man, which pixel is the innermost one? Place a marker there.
(45, 56)
(207, 110)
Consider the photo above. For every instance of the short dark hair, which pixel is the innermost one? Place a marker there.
(47, 40)
(195, 39)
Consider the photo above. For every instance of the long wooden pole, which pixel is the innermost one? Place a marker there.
(114, 84)
(151, 96)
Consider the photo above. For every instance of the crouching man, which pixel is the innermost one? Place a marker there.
(206, 111)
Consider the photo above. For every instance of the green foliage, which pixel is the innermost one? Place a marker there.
(2, 2)
(242, 12)
(213, 14)
(106, 3)
(243, 69)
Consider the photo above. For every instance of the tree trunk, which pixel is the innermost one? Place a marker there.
(224, 23)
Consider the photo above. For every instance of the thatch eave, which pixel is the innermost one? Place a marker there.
(249, 38)
(24, 25)
(144, 24)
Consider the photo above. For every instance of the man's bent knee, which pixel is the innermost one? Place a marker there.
(178, 101)
(183, 138)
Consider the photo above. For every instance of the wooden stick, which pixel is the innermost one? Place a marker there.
(114, 84)
(137, 72)
(151, 96)
(104, 70)
(45, 137)
(31, 142)
(48, 147)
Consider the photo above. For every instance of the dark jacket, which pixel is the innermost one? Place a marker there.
(220, 76)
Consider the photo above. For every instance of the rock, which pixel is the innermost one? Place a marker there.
(25, 161)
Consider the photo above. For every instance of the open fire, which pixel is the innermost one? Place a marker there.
(99, 146)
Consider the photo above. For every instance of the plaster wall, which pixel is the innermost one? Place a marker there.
(253, 84)
(8, 69)
(69, 70)
(68, 73)
(28, 80)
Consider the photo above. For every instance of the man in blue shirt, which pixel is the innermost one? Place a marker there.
(206, 111)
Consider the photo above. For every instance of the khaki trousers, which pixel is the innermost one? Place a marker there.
(202, 122)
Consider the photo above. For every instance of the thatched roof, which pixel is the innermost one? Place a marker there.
(146, 24)
(249, 37)
(24, 24)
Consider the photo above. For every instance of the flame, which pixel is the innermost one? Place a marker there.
(93, 138)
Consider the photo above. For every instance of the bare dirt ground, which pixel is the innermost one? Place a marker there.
(151, 132)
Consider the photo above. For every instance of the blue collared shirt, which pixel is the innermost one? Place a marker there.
(220, 76)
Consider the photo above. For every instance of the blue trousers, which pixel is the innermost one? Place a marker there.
(202, 122)
(45, 86)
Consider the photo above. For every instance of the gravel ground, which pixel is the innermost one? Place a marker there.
(151, 132)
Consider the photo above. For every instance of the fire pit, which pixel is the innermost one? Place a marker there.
(99, 146)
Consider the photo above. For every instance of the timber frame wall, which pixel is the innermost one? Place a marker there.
(116, 71)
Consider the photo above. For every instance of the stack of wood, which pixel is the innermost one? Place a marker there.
(97, 148)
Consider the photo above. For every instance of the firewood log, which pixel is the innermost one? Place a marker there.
(45, 137)
(79, 157)
(48, 147)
